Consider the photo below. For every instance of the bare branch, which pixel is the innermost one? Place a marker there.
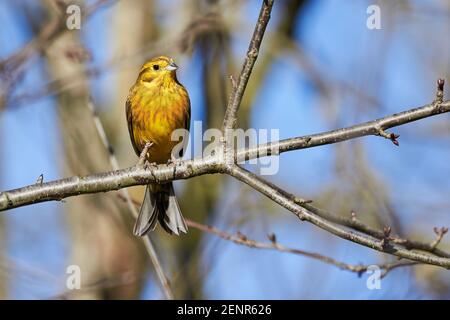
(440, 232)
(237, 93)
(118, 179)
(241, 239)
(285, 200)
(224, 161)
(50, 31)
(339, 135)
(12, 65)
(137, 175)
(107, 181)
(357, 225)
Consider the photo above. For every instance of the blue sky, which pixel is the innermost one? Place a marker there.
(335, 36)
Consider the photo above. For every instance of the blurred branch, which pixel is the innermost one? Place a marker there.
(165, 284)
(242, 239)
(10, 68)
(440, 232)
(219, 162)
(50, 31)
(181, 42)
(105, 283)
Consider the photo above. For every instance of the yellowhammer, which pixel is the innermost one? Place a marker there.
(156, 106)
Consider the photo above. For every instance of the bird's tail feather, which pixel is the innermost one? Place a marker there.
(162, 206)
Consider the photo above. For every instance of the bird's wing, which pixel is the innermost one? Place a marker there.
(188, 115)
(130, 126)
(187, 124)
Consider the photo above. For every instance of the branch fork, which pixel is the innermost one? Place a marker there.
(390, 136)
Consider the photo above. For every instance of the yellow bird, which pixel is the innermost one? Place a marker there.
(156, 106)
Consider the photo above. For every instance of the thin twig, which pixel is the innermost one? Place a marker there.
(178, 43)
(241, 239)
(358, 225)
(364, 129)
(440, 233)
(239, 85)
(237, 93)
(12, 67)
(49, 32)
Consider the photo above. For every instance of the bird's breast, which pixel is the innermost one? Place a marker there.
(156, 114)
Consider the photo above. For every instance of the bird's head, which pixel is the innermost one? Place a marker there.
(159, 67)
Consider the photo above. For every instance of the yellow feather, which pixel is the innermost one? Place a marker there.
(158, 104)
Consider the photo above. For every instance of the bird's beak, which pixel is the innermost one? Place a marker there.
(172, 66)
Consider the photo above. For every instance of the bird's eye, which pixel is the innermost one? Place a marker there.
(155, 67)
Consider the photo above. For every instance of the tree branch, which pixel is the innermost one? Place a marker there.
(106, 181)
(237, 93)
(285, 200)
(224, 161)
(357, 225)
(339, 135)
(141, 175)
(12, 66)
(242, 239)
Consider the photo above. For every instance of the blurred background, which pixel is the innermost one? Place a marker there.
(320, 68)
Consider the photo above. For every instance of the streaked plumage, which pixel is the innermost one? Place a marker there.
(157, 105)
